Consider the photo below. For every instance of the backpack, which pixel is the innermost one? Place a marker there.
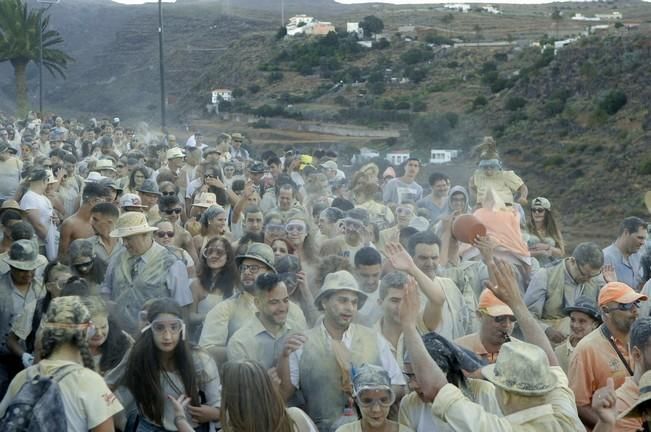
(38, 406)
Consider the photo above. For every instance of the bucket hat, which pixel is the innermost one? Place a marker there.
(521, 368)
(259, 252)
(131, 200)
(11, 205)
(131, 223)
(585, 305)
(174, 153)
(237, 137)
(340, 281)
(149, 187)
(645, 396)
(23, 255)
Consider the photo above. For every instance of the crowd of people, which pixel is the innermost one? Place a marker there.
(150, 284)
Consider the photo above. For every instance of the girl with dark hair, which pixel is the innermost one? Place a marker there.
(161, 364)
(87, 401)
(543, 235)
(218, 276)
(252, 403)
(136, 180)
(110, 343)
(213, 224)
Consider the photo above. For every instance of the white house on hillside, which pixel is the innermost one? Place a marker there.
(397, 157)
(353, 27)
(491, 9)
(440, 156)
(297, 24)
(460, 7)
(611, 16)
(223, 94)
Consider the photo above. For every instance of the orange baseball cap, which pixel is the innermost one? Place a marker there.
(619, 292)
(493, 306)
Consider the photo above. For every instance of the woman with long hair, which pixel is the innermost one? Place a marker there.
(110, 343)
(217, 278)
(137, 179)
(88, 404)
(251, 402)
(544, 237)
(301, 237)
(162, 364)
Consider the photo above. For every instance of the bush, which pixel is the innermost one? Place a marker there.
(254, 88)
(340, 100)
(556, 160)
(613, 101)
(275, 77)
(415, 55)
(403, 105)
(381, 44)
(376, 88)
(238, 92)
(433, 127)
(479, 101)
(645, 167)
(415, 75)
(514, 103)
(499, 85)
(418, 106)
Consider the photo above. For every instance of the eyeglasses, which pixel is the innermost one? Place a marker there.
(626, 306)
(274, 228)
(119, 166)
(384, 401)
(172, 193)
(214, 251)
(504, 318)
(174, 326)
(209, 176)
(175, 210)
(254, 268)
(297, 228)
(409, 376)
(163, 234)
(353, 225)
(537, 210)
(586, 275)
(404, 211)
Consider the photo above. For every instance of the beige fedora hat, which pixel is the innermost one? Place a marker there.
(205, 200)
(131, 223)
(521, 368)
(340, 281)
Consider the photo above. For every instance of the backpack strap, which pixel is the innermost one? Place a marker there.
(64, 371)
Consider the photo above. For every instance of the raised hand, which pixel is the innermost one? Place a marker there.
(503, 282)
(293, 343)
(400, 259)
(603, 402)
(410, 305)
(608, 272)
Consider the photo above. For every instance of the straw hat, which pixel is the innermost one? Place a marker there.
(637, 410)
(174, 153)
(131, 223)
(521, 368)
(11, 205)
(340, 281)
(23, 255)
(104, 164)
(205, 200)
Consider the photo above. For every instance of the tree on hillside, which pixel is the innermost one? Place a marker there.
(371, 25)
(447, 20)
(557, 17)
(19, 45)
(477, 29)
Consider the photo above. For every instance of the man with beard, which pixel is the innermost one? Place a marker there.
(84, 264)
(319, 362)
(624, 254)
(262, 339)
(230, 315)
(496, 322)
(604, 353)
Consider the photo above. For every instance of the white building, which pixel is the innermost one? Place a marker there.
(611, 16)
(223, 94)
(491, 9)
(353, 27)
(397, 157)
(440, 156)
(298, 23)
(461, 7)
(581, 17)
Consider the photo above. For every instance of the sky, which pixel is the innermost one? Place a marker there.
(136, 2)
(412, 2)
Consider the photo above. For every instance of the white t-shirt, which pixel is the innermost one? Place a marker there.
(87, 400)
(33, 201)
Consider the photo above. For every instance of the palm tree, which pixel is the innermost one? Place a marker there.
(19, 44)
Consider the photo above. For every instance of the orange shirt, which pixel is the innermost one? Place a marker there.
(594, 360)
(473, 343)
(627, 395)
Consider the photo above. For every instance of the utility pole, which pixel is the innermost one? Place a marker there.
(282, 12)
(163, 98)
(40, 52)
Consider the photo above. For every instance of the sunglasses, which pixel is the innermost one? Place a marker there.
(538, 210)
(168, 193)
(163, 234)
(274, 228)
(625, 306)
(175, 210)
(214, 251)
(254, 268)
(404, 211)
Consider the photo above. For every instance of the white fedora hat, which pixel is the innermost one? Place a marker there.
(132, 223)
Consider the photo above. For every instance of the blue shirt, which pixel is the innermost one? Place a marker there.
(627, 269)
